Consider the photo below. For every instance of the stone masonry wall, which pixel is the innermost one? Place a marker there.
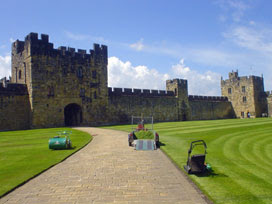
(59, 77)
(47, 82)
(162, 105)
(210, 108)
(245, 94)
(14, 107)
(269, 104)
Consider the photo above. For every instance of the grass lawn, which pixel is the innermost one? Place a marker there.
(144, 134)
(239, 151)
(24, 154)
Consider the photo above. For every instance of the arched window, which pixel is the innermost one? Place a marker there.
(79, 72)
(20, 74)
(94, 74)
(82, 92)
(229, 90)
(244, 99)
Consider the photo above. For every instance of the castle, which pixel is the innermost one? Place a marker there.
(63, 87)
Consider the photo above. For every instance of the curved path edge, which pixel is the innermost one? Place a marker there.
(107, 170)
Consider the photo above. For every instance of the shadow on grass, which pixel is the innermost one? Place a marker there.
(71, 148)
(210, 173)
(160, 144)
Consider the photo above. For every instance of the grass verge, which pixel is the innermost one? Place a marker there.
(24, 154)
(239, 151)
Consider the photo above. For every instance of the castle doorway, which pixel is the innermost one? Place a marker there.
(72, 115)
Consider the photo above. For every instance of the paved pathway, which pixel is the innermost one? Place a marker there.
(109, 171)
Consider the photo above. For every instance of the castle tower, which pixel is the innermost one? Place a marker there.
(66, 87)
(180, 89)
(246, 94)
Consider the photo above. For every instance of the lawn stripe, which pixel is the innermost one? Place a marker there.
(240, 152)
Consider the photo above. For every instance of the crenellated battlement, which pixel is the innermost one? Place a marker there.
(42, 46)
(182, 82)
(234, 77)
(207, 98)
(138, 92)
(13, 89)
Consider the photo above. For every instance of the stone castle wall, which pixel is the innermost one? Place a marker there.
(246, 94)
(59, 77)
(210, 108)
(269, 103)
(164, 105)
(57, 87)
(124, 103)
(14, 107)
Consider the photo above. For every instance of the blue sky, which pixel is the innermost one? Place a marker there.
(151, 41)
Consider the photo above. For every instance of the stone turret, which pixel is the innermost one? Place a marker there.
(246, 94)
(180, 89)
(56, 78)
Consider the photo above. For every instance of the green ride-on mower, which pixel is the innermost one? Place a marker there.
(196, 162)
(61, 141)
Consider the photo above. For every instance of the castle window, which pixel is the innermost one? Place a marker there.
(20, 74)
(229, 90)
(95, 96)
(82, 93)
(243, 89)
(94, 74)
(244, 99)
(50, 91)
(79, 72)
(64, 71)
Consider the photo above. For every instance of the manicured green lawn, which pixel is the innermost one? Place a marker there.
(24, 154)
(239, 151)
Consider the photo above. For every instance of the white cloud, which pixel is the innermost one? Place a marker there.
(2, 46)
(234, 8)
(5, 66)
(83, 37)
(11, 40)
(206, 56)
(138, 45)
(207, 83)
(252, 23)
(258, 39)
(125, 75)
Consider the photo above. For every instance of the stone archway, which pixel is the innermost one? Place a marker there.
(72, 115)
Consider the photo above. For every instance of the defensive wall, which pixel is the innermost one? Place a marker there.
(14, 107)
(123, 103)
(210, 107)
(269, 103)
(67, 87)
(163, 105)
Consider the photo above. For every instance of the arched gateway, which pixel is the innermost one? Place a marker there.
(72, 115)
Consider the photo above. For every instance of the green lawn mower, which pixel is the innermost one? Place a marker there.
(61, 141)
